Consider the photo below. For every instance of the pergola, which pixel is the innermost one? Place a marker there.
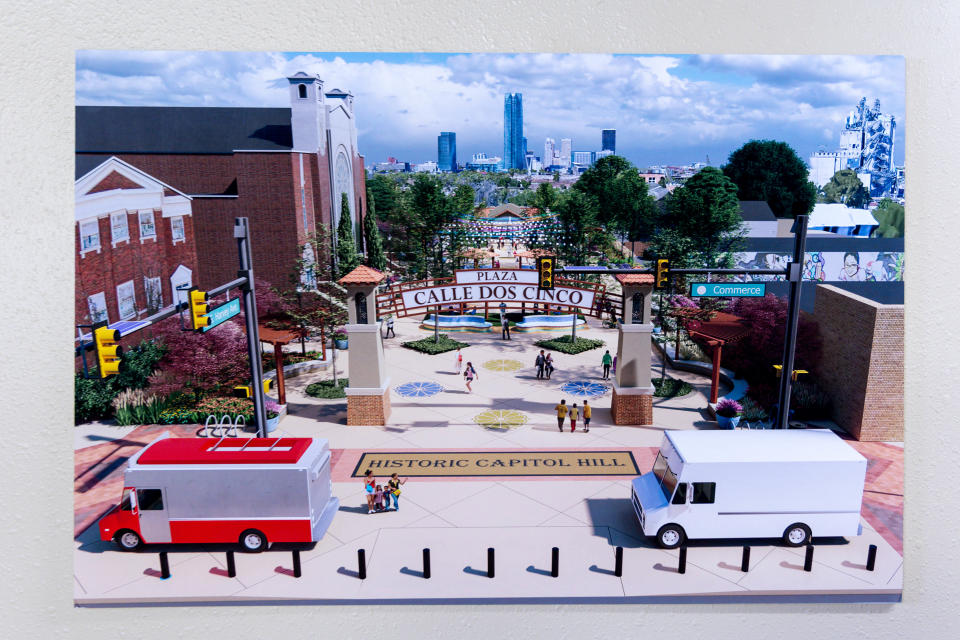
(716, 329)
(278, 338)
(477, 255)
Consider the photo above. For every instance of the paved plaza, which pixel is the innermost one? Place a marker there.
(459, 518)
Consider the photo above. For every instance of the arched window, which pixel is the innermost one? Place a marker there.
(361, 301)
(302, 90)
(637, 308)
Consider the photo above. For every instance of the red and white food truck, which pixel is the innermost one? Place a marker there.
(251, 491)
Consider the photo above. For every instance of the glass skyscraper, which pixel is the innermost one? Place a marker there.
(514, 151)
(609, 140)
(447, 151)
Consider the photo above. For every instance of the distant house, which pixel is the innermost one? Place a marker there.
(758, 218)
(842, 220)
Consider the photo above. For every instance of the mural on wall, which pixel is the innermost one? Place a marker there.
(833, 266)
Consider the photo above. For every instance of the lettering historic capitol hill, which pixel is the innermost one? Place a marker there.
(488, 285)
(499, 463)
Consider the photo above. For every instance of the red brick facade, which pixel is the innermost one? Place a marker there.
(631, 409)
(368, 410)
(862, 363)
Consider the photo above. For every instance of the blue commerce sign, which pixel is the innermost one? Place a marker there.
(727, 289)
(222, 313)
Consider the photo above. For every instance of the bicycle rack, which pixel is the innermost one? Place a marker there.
(206, 427)
(226, 425)
(238, 423)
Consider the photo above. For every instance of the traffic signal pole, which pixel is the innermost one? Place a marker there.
(241, 231)
(795, 276)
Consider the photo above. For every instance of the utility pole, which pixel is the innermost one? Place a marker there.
(241, 231)
(795, 276)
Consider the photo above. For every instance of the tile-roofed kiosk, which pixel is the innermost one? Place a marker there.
(368, 396)
(632, 401)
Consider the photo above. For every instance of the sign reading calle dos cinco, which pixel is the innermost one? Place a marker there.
(496, 285)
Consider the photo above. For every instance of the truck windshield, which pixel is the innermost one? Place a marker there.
(125, 501)
(667, 478)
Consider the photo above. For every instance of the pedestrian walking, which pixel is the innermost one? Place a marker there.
(390, 333)
(369, 485)
(504, 327)
(606, 361)
(459, 361)
(469, 374)
(393, 489)
(541, 363)
(378, 499)
(574, 414)
(548, 365)
(561, 410)
(587, 410)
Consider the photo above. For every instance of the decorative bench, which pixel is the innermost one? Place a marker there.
(457, 323)
(560, 322)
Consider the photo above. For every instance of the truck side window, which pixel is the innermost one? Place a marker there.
(704, 492)
(680, 497)
(150, 499)
(125, 501)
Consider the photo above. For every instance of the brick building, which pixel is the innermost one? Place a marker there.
(135, 243)
(861, 367)
(283, 168)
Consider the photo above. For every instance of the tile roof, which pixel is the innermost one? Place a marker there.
(362, 275)
(634, 278)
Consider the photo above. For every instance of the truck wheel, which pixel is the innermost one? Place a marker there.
(796, 535)
(670, 536)
(253, 541)
(128, 540)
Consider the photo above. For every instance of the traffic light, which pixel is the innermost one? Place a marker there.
(545, 271)
(663, 273)
(198, 309)
(107, 343)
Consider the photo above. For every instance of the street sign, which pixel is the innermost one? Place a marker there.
(727, 289)
(222, 313)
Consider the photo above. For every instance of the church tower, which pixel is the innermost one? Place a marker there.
(307, 113)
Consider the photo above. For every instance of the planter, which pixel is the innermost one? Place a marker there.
(272, 423)
(341, 344)
(728, 423)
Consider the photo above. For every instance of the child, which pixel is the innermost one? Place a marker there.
(574, 414)
(378, 498)
(587, 410)
(368, 484)
(459, 361)
(469, 374)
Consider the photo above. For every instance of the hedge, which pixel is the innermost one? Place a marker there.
(564, 344)
(432, 347)
(327, 390)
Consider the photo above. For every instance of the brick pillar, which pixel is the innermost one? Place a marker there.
(632, 390)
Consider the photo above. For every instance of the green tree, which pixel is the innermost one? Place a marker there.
(581, 228)
(845, 187)
(463, 199)
(771, 171)
(545, 198)
(428, 212)
(702, 221)
(890, 216)
(375, 255)
(387, 193)
(623, 204)
(347, 257)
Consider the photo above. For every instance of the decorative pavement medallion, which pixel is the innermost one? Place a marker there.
(418, 389)
(584, 388)
(501, 418)
(502, 365)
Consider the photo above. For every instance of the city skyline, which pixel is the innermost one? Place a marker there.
(666, 109)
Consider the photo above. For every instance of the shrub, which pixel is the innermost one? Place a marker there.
(179, 416)
(752, 411)
(326, 389)
(670, 387)
(91, 399)
(564, 344)
(809, 401)
(93, 396)
(270, 361)
(136, 406)
(430, 346)
(728, 408)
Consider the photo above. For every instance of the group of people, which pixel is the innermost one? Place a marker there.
(574, 412)
(544, 364)
(378, 496)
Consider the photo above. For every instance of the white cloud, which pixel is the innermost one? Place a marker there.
(660, 112)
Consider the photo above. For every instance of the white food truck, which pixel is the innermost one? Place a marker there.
(251, 491)
(790, 484)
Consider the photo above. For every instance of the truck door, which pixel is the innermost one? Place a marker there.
(153, 515)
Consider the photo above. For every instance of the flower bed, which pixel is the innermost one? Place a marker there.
(432, 347)
(270, 360)
(327, 390)
(564, 344)
(670, 388)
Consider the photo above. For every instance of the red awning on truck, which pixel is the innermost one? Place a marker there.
(225, 451)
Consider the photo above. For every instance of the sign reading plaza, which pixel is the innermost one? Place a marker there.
(496, 285)
(727, 289)
(499, 463)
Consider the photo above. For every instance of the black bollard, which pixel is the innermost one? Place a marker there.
(296, 564)
(231, 565)
(682, 566)
(426, 563)
(490, 562)
(618, 563)
(362, 564)
(808, 558)
(555, 561)
(871, 557)
(164, 565)
(745, 560)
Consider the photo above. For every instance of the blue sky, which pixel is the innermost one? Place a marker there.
(667, 109)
